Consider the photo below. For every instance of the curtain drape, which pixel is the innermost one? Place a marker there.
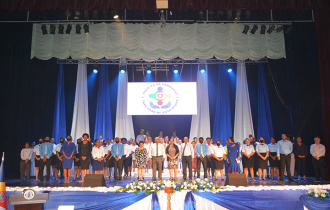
(243, 125)
(124, 122)
(200, 123)
(222, 122)
(103, 124)
(265, 125)
(90, 5)
(80, 119)
(151, 42)
(59, 125)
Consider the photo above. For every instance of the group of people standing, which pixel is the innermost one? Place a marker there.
(124, 155)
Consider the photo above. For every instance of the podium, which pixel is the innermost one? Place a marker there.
(28, 200)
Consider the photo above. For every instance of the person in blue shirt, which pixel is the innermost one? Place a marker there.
(234, 156)
(201, 153)
(284, 150)
(46, 151)
(117, 151)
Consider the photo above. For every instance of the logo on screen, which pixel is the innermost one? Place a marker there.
(160, 98)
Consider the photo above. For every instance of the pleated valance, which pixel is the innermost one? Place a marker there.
(152, 41)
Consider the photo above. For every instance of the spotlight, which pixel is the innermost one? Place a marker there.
(60, 29)
(271, 29)
(67, 14)
(279, 29)
(246, 29)
(230, 70)
(148, 71)
(44, 29)
(115, 14)
(122, 69)
(229, 15)
(95, 71)
(254, 29)
(76, 14)
(78, 29)
(52, 29)
(202, 68)
(175, 69)
(68, 29)
(263, 29)
(86, 28)
(238, 14)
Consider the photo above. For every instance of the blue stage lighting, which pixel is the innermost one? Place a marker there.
(95, 71)
(202, 70)
(175, 71)
(148, 71)
(122, 71)
(229, 70)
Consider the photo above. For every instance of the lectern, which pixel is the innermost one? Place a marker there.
(28, 200)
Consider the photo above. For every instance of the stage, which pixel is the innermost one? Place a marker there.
(271, 194)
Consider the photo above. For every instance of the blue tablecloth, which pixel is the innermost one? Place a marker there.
(315, 203)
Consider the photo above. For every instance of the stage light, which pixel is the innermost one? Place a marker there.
(122, 68)
(202, 68)
(95, 71)
(149, 71)
(115, 15)
(201, 14)
(175, 69)
(86, 28)
(254, 29)
(68, 29)
(271, 29)
(76, 15)
(279, 29)
(52, 29)
(44, 29)
(238, 14)
(78, 29)
(230, 70)
(122, 71)
(60, 29)
(246, 29)
(263, 29)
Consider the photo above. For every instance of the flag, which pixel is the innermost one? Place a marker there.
(3, 197)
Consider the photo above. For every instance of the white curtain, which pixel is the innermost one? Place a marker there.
(80, 119)
(243, 125)
(200, 123)
(124, 123)
(151, 42)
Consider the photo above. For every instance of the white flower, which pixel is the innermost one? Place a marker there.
(323, 195)
(151, 184)
(197, 180)
(168, 183)
(185, 187)
(206, 179)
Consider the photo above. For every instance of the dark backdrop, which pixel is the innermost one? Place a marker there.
(28, 89)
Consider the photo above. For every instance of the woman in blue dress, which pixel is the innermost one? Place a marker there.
(234, 155)
(68, 149)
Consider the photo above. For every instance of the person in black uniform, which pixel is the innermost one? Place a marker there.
(85, 152)
(300, 152)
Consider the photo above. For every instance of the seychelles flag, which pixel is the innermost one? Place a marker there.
(3, 198)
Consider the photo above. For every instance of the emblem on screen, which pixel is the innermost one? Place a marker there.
(160, 98)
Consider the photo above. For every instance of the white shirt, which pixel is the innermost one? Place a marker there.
(210, 149)
(272, 147)
(218, 151)
(140, 138)
(106, 149)
(188, 151)
(54, 148)
(26, 153)
(36, 149)
(97, 152)
(161, 150)
(318, 150)
(127, 150)
(248, 149)
(133, 148)
(58, 148)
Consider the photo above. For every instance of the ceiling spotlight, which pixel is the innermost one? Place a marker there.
(254, 29)
(76, 14)
(67, 14)
(229, 15)
(95, 71)
(279, 29)
(202, 68)
(263, 29)
(229, 70)
(271, 29)
(149, 71)
(246, 29)
(115, 14)
(238, 14)
(52, 29)
(44, 29)
(68, 29)
(78, 29)
(122, 68)
(175, 69)
(86, 28)
(60, 29)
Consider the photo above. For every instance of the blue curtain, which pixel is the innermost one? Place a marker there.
(189, 202)
(265, 126)
(103, 125)
(59, 125)
(222, 121)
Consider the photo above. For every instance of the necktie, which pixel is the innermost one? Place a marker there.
(202, 149)
(117, 150)
(157, 150)
(184, 148)
(46, 149)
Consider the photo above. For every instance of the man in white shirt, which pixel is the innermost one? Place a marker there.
(126, 157)
(140, 137)
(210, 160)
(318, 152)
(187, 155)
(158, 156)
(25, 165)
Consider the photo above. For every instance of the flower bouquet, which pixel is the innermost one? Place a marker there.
(318, 193)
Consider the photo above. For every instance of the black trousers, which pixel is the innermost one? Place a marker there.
(319, 168)
(186, 161)
(199, 162)
(210, 164)
(301, 166)
(41, 169)
(25, 169)
(118, 166)
(285, 161)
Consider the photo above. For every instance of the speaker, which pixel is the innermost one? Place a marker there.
(94, 180)
(236, 179)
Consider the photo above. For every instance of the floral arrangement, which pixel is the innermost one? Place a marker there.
(318, 193)
(157, 186)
